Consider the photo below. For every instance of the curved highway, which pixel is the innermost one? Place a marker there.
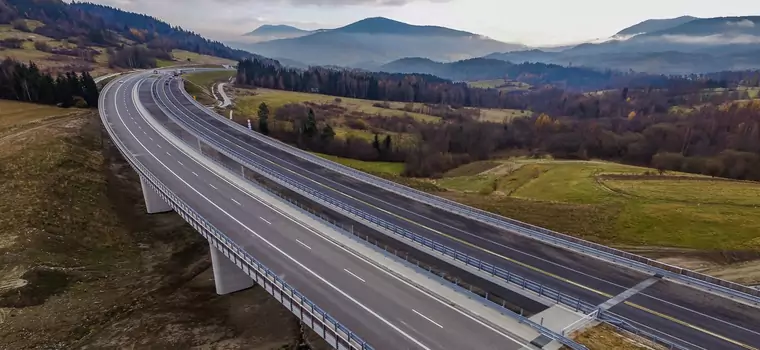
(689, 316)
(386, 312)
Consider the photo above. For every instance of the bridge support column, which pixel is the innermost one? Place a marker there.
(228, 277)
(153, 202)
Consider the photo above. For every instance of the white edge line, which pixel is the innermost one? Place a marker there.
(359, 257)
(322, 279)
(469, 233)
(497, 243)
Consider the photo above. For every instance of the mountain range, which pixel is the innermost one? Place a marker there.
(270, 32)
(679, 45)
(372, 42)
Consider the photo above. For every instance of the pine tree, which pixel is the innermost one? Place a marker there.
(90, 90)
(263, 118)
(376, 143)
(310, 127)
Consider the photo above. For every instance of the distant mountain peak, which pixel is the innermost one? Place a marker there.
(655, 25)
(382, 25)
(275, 29)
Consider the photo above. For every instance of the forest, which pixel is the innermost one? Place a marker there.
(718, 136)
(22, 82)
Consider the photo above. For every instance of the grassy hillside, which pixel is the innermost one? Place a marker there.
(246, 104)
(617, 204)
(186, 57)
(250, 100)
(83, 266)
(99, 66)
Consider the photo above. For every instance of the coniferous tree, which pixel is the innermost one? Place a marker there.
(263, 118)
(310, 127)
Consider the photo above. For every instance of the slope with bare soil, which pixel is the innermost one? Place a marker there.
(83, 266)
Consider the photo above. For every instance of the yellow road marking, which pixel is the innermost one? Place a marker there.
(642, 308)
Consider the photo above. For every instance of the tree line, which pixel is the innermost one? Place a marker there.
(22, 82)
(434, 90)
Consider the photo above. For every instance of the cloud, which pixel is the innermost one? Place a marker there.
(717, 39)
(745, 23)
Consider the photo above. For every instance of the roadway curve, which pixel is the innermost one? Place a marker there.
(685, 315)
(386, 312)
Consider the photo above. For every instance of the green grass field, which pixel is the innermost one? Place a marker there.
(182, 56)
(249, 104)
(615, 204)
(14, 114)
(205, 79)
(389, 168)
(494, 83)
(502, 115)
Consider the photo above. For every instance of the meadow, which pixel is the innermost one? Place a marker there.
(615, 204)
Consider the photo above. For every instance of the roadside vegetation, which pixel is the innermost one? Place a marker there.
(605, 337)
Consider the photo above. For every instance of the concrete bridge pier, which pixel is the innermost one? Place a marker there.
(228, 277)
(153, 202)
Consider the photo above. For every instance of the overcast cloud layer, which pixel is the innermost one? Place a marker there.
(543, 22)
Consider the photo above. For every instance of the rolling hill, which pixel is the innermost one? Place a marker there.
(374, 41)
(82, 36)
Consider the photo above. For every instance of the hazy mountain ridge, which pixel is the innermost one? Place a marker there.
(489, 69)
(674, 46)
(374, 41)
(276, 29)
(655, 25)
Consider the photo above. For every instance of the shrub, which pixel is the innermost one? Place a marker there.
(42, 46)
(20, 24)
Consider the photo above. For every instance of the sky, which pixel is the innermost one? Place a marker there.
(532, 22)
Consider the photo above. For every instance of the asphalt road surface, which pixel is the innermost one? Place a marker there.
(683, 314)
(384, 311)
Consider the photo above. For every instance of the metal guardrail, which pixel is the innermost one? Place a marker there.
(539, 289)
(372, 221)
(337, 335)
(732, 289)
